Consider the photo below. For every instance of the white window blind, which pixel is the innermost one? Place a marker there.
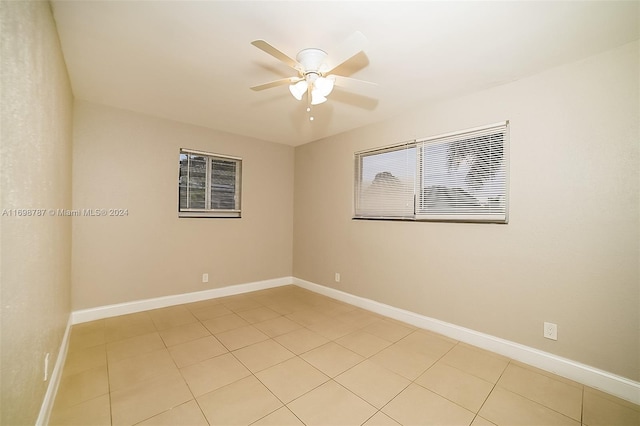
(385, 181)
(464, 176)
(460, 176)
(209, 185)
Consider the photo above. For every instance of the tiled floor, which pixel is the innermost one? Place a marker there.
(287, 356)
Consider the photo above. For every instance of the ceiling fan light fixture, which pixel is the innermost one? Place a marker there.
(317, 97)
(324, 85)
(298, 89)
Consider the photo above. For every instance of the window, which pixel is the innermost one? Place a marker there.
(209, 185)
(460, 176)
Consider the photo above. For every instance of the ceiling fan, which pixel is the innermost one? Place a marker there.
(315, 69)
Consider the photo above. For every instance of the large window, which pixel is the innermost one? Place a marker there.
(460, 176)
(209, 185)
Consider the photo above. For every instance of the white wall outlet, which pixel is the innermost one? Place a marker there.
(46, 367)
(205, 278)
(550, 331)
(337, 277)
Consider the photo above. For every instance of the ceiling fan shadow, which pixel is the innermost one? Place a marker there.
(354, 99)
(268, 101)
(279, 70)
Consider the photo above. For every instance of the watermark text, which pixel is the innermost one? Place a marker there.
(65, 212)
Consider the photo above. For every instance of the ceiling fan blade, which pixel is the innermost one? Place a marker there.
(267, 48)
(353, 83)
(276, 83)
(350, 47)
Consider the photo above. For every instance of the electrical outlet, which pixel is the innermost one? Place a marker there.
(205, 278)
(337, 277)
(550, 331)
(46, 367)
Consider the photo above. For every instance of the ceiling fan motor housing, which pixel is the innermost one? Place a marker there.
(311, 60)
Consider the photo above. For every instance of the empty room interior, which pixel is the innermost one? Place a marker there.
(320, 213)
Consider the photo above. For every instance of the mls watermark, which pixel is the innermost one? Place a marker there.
(65, 212)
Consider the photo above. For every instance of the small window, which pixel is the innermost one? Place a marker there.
(455, 177)
(209, 185)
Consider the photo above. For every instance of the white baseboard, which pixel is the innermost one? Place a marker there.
(54, 380)
(599, 379)
(92, 314)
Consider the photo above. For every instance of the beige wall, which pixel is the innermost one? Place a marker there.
(130, 161)
(35, 153)
(570, 253)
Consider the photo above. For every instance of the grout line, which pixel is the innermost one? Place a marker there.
(582, 407)
(492, 389)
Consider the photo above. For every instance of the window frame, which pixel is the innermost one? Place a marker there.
(209, 212)
(419, 215)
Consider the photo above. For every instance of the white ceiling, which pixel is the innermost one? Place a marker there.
(193, 61)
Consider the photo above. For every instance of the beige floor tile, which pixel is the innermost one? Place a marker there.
(148, 398)
(291, 379)
(213, 373)
(332, 359)
(363, 343)
(254, 315)
(87, 334)
(480, 363)
(125, 326)
(388, 330)
(403, 361)
(332, 307)
(83, 386)
(281, 417)
(604, 410)
(381, 419)
(479, 421)
(266, 293)
(240, 303)
(95, 411)
(183, 333)
(507, 408)
(277, 326)
(308, 317)
(332, 329)
(262, 355)
(555, 394)
(456, 385)
(546, 373)
(172, 316)
(188, 413)
(373, 383)
(419, 406)
(240, 403)
(358, 317)
(224, 323)
(301, 340)
(130, 371)
(133, 346)
(241, 337)
(331, 404)
(85, 359)
(196, 350)
(286, 307)
(89, 326)
(430, 344)
(212, 311)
